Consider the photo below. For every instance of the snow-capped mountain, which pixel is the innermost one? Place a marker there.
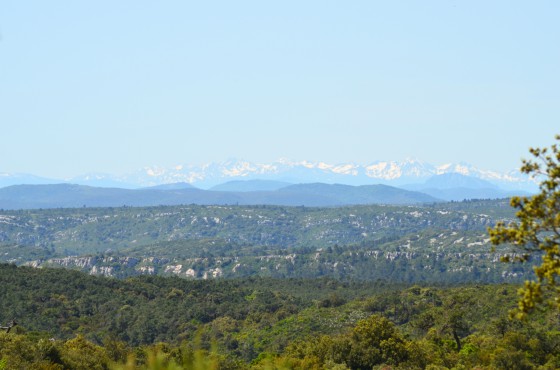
(410, 171)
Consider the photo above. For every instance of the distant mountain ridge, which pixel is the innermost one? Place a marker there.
(457, 180)
(316, 195)
(173, 186)
(392, 173)
(457, 187)
(251, 185)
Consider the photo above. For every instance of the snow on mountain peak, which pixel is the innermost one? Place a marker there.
(409, 171)
(324, 166)
(384, 170)
(346, 169)
(154, 171)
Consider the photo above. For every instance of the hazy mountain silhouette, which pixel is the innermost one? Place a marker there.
(69, 195)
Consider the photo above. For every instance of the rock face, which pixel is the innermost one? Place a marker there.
(452, 254)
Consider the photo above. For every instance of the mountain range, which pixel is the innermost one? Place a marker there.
(409, 174)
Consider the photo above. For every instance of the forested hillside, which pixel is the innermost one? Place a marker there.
(435, 243)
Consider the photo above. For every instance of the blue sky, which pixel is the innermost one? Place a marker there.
(113, 86)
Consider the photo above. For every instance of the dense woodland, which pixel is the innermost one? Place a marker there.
(69, 320)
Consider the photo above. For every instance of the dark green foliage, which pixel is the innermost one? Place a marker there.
(376, 341)
(148, 309)
(535, 234)
(72, 320)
